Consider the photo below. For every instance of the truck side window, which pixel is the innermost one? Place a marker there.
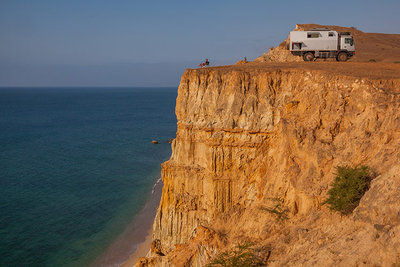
(331, 34)
(313, 35)
(348, 41)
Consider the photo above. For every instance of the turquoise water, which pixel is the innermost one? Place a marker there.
(76, 165)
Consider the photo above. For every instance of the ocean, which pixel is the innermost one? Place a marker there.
(76, 167)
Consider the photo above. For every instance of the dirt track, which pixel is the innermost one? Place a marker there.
(371, 70)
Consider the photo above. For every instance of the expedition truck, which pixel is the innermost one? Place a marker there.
(322, 43)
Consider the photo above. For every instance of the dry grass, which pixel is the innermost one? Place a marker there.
(378, 70)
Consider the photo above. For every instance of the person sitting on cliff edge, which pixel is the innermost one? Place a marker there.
(205, 63)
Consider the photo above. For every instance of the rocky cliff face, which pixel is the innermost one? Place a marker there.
(248, 139)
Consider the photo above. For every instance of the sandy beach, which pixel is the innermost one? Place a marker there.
(135, 241)
(141, 251)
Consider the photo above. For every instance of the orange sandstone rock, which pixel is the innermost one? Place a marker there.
(249, 136)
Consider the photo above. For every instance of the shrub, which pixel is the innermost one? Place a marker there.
(243, 255)
(349, 186)
(372, 60)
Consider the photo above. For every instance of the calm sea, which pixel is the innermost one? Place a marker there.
(76, 166)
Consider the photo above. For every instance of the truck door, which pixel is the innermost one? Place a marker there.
(347, 43)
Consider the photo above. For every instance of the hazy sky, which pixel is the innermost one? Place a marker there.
(151, 43)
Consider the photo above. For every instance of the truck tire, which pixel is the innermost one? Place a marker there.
(308, 56)
(342, 56)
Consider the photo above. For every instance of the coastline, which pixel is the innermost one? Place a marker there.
(135, 241)
(141, 250)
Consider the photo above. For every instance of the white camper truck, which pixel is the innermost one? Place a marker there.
(322, 43)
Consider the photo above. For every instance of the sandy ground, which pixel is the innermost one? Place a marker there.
(141, 251)
(372, 70)
(135, 241)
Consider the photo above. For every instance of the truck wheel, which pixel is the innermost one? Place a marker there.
(342, 56)
(308, 56)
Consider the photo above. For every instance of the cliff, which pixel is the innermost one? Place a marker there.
(254, 137)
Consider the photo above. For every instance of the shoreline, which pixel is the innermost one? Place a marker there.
(135, 241)
(141, 250)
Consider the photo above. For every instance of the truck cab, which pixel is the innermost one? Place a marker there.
(347, 43)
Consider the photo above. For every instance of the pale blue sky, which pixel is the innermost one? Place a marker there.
(151, 43)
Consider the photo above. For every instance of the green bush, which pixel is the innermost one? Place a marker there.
(348, 188)
(243, 255)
